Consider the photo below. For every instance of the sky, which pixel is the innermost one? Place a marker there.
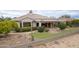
(49, 13)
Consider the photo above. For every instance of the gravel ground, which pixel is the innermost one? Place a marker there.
(14, 40)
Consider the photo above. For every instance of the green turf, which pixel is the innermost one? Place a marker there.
(42, 35)
(49, 35)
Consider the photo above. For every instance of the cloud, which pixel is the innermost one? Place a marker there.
(12, 13)
(58, 13)
(55, 13)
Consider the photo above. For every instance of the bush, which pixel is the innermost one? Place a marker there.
(18, 30)
(46, 30)
(24, 29)
(34, 28)
(40, 29)
(14, 25)
(62, 26)
(7, 25)
(69, 24)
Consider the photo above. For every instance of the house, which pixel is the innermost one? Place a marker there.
(37, 20)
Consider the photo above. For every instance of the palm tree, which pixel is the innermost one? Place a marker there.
(5, 18)
(8, 18)
(2, 18)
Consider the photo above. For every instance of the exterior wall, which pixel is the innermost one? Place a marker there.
(40, 24)
(26, 24)
(34, 24)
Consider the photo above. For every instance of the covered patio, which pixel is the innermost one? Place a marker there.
(36, 20)
(35, 23)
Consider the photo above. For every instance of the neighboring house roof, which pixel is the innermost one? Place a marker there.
(65, 19)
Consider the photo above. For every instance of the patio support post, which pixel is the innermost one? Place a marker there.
(32, 30)
(51, 25)
(39, 24)
(22, 23)
(47, 25)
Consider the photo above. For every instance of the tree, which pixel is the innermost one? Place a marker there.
(75, 22)
(7, 25)
(65, 16)
(8, 18)
(2, 18)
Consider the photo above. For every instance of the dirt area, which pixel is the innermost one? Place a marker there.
(54, 30)
(21, 39)
(15, 39)
(67, 42)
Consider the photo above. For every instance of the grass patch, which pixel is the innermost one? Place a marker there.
(45, 35)
(42, 35)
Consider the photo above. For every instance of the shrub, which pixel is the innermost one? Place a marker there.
(7, 25)
(62, 26)
(26, 29)
(69, 24)
(34, 28)
(46, 30)
(18, 30)
(14, 25)
(40, 29)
